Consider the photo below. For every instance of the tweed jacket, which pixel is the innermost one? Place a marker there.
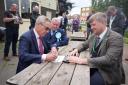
(109, 60)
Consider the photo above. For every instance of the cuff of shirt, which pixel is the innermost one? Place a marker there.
(54, 45)
(44, 57)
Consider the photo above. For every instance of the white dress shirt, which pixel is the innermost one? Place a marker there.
(37, 38)
(101, 36)
(111, 21)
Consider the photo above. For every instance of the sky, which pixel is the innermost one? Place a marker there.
(78, 5)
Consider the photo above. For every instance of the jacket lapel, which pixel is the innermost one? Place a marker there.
(91, 42)
(103, 42)
(34, 40)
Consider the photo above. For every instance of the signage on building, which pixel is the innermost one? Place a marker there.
(84, 13)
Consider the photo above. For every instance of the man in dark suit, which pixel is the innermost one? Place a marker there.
(12, 20)
(56, 36)
(64, 21)
(106, 49)
(32, 47)
(116, 19)
(33, 16)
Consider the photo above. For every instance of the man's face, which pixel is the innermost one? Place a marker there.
(112, 13)
(14, 7)
(97, 27)
(43, 29)
(55, 25)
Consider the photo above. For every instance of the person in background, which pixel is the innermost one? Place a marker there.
(106, 50)
(126, 25)
(75, 24)
(89, 30)
(116, 20)
(56, 36)
(12, 20)
(64, 21)
(32, 47)
(33, 16)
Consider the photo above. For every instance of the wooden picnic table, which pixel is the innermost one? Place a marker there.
(78, 36)
(54, 73)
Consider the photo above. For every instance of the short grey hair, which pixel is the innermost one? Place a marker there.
(42, 19)
(100, 17)
(55, 20)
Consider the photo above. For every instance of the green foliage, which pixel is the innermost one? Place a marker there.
(126, 34)
(101, 5)
(126, 37)
(125, 40)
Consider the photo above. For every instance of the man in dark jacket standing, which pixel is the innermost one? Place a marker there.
(116, 20)
(12, 20)
(33, 17)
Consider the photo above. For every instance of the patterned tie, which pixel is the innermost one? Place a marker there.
(41, 47)
(97, 41)
(95, 44)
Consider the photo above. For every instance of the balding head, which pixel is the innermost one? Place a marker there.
(13, 7)
(36, 8)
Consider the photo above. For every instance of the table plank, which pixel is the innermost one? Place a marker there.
(25, 75)
(81, 73)
(66, 71)
(63, 75)
(45, 75)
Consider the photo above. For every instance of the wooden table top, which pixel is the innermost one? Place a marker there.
(51, 73)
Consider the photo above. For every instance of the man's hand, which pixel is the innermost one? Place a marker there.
(54, 51)
(51, 56)
(74, 59)
(74, 53)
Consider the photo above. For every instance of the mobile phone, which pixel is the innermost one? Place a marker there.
(65, 60)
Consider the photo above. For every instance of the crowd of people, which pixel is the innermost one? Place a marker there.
(41, 42)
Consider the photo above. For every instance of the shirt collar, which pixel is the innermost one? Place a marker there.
(36, 34)
(103, 34)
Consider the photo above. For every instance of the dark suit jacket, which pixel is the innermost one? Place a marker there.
(28, 50)
(109, 60)
(118, 24)
(33, 18)
(52, 40)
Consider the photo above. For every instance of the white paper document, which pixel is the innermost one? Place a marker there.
(60, 58)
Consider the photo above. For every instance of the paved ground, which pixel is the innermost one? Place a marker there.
(7, 69)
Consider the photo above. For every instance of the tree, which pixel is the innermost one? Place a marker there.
(64, 6)
(102, 5)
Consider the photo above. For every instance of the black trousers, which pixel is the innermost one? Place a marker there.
(96, 78)
(11, 38)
